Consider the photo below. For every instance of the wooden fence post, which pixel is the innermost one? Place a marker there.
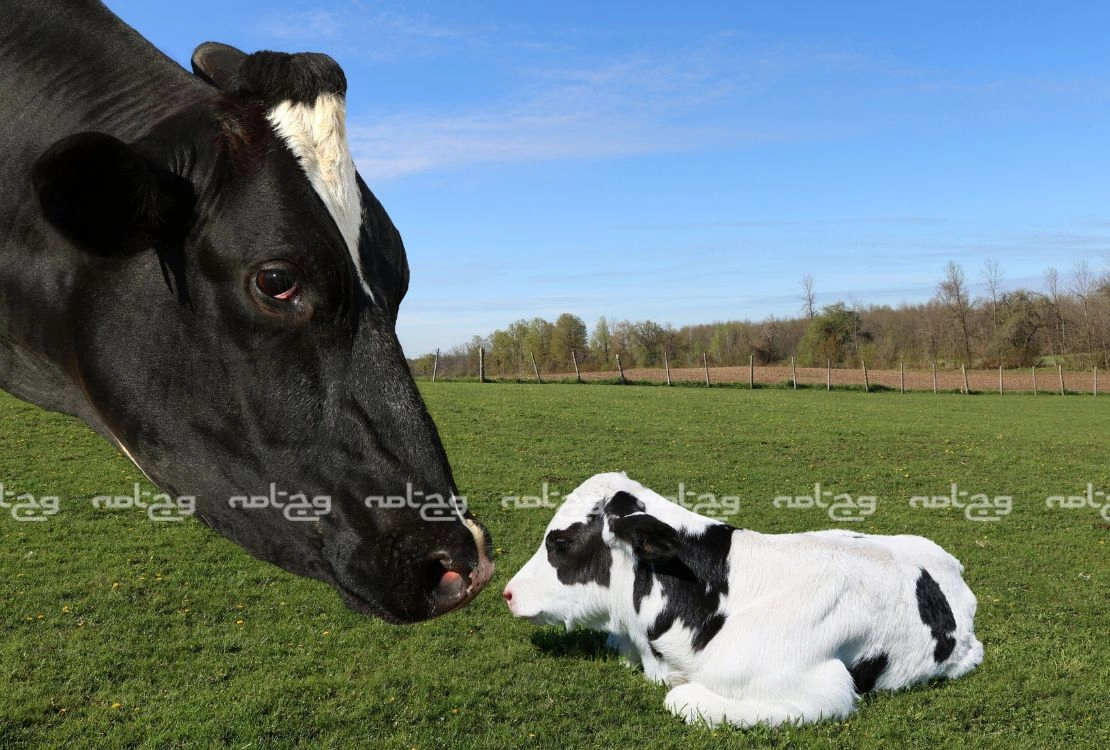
(435, 366)
(705, 362)
(667, 364)
(1034, 380)
(866, 382)
(751, 371)
(793, 373)
(1094, 389)
(535, 369)
(1060, 371)
(481, 365)
(963, 369)
(619, 368)
(901, 377)
(1001, 382)
(828, 374)
(574, 358)
(934, 377)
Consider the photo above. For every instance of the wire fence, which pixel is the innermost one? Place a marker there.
(938, 379)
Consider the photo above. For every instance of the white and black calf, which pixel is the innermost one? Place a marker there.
(748, 628)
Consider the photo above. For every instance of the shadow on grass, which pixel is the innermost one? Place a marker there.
(583, 644)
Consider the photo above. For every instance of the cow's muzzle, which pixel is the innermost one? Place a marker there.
(453, 586)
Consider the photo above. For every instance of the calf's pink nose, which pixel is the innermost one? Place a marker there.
(508, 595)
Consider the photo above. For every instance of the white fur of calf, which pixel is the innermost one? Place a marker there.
(748, 628)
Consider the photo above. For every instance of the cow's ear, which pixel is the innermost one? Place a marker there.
(109, 200)
(218, 64)
(652, 540)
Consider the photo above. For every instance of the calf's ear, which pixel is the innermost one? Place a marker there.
(107, 199)
(622, 504)
(652, 540)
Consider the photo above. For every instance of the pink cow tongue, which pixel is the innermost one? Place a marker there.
(452, 584)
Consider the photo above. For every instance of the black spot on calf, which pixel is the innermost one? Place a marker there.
(579, 554)
(708, 631)
(935, 612)
(866, 672)
(692, 582)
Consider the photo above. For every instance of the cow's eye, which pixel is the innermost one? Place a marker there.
(278, 282)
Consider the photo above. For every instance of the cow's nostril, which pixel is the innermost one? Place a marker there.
(508, 595)
(436, 567)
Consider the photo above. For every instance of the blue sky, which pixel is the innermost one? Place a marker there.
(690, 162)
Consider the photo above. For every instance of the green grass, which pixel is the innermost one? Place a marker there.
(120, 632)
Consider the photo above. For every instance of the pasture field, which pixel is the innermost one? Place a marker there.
(122, 632)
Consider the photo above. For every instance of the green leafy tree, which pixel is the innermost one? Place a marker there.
(601, 340)
(568, 335)
(504, 355)
(833, 335)
(537, 343)
(1022, 318)
(649, 339)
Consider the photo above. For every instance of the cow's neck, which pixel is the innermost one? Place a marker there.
(68, 67)
(72, 66)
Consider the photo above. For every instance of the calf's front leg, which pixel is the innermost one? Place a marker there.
(824, 692)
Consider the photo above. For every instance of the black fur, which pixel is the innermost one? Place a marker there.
(935, 612)
(300, 78)
(651, 539)
(623, 504)
(866, 672)
(269, 77)
(579, 554)
(691, 569)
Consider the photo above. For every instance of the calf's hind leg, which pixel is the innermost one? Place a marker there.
(824, 692)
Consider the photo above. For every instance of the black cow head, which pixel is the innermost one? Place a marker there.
(233, 332)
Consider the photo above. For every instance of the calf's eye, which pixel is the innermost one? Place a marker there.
(556, 543)
(278, 283)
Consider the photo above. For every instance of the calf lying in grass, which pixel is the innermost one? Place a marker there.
(748, 628)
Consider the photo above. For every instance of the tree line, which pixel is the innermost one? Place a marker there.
(1065, 322)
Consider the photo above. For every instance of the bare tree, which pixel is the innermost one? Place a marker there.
(952, 294)
(1052, 284)
(1102, 308)
(930, 326)
(809, 299)
(993, 275)
(1083, 286)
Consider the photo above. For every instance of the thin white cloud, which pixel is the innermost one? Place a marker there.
(311, 24)
(408, 144)
(358, 32)
(623, 108)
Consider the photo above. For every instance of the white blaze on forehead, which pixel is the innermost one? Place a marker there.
(317, 135)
